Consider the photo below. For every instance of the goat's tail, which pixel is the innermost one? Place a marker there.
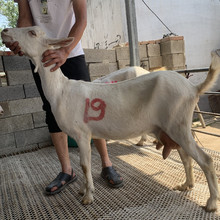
(214, 70)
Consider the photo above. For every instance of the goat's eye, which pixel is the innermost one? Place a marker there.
(32, 33)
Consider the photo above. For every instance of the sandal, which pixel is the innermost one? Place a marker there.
(113, 179)
(57, 182)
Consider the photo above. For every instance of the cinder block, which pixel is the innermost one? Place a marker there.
(16, 63)
(39, 119)
(11, 151)
(19, 77)
(155, 62)
(172, 47)
(17, 123)
(1, 65)
(44, 144)
(7, 141)
(11, 93)
(100, 55)
(101, 69)
(153, 50)
(142, 52)
(31, 90)
(174, 61)
(122, 53)
(123, 63)
(25, 106)
(29, 137)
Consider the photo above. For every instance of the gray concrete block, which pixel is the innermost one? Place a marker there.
(155, 62)
(31, 90)
(100, 55)
(16, 63)
(0, 82)
(142, 52)
(18, 77)
(122, 53)
(29, 137)
(101, 69)
(13, 151)
(39, 119)
(153, 50)
(17, 123)
(1, 65)
(174, 61)
(25, 106)
(8, 93)
(7, 141)
(123, 63)
(172, 47)
(45, 144)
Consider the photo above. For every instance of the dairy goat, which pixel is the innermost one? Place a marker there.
(160, 104)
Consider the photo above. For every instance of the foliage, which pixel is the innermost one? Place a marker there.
(9, 9)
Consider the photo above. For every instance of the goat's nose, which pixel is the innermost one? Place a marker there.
(5, 30)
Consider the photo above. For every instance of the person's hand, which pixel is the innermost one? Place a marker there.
(14, 47)
(55, 56)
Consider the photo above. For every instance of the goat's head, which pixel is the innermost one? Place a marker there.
(33, 40)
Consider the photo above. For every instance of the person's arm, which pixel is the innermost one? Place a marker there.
(59, 56)
(25, 17)
(24, 20)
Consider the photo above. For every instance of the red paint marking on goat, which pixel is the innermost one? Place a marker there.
(112, 82)
(101, 107)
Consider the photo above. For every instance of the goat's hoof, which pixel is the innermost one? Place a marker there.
(211, 205)
(184, 187)
(87, 200)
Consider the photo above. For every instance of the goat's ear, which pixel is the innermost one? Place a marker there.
(60, 42)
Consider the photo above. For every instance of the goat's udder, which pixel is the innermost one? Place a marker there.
(168, 144)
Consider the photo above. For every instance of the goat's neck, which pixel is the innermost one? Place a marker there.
(52, 82)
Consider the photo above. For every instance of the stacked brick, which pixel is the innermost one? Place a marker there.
(22, 126)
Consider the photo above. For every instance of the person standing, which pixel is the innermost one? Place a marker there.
(60, 19)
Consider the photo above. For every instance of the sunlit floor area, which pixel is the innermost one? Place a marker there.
(147, 193)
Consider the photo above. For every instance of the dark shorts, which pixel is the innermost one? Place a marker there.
(74, 68)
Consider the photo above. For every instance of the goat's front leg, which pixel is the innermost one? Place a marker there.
(87, 188)
(187, 162)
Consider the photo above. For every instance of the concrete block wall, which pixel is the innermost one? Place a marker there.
(23, 127)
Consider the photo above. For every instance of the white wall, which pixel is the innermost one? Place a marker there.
(104, 24)
(197, 20)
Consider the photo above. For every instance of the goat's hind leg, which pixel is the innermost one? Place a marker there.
(206, 163)
(87, 187)
(187, 162)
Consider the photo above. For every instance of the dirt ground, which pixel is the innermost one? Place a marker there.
(208, 141)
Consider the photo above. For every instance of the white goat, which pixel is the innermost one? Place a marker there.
(1, 110)
(160, 104)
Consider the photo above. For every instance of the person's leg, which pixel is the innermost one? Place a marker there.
(108, 173)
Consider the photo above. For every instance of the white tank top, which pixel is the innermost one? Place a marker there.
(56, 18)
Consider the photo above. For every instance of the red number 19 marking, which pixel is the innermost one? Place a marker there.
(93, 105)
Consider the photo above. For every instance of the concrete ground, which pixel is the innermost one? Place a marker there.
(208, 141)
